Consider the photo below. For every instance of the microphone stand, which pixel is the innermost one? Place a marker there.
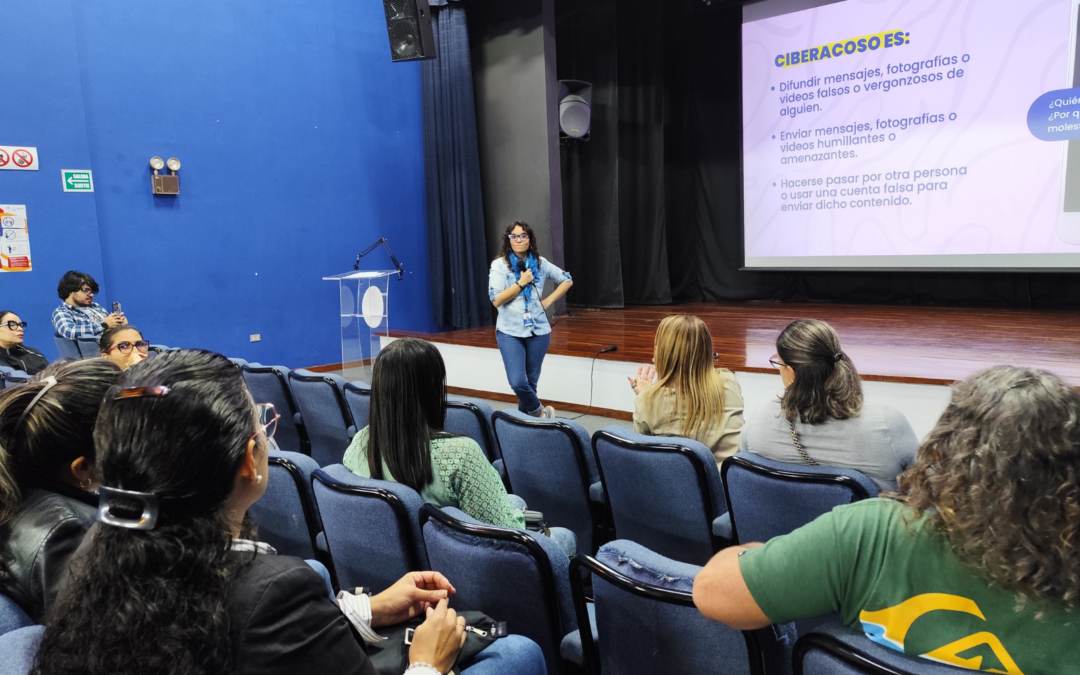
(369, 249)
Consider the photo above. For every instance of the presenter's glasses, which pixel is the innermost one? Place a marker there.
(518, 237)
(14, 325)
(126, 347)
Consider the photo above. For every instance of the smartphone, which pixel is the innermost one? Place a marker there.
(116, 308)
(1069, 223)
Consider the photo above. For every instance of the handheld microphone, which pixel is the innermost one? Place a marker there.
(605, 350)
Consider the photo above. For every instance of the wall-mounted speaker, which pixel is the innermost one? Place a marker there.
(408, 23)
(575, 109)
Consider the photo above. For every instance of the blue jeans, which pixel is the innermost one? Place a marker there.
(511, 655)
(522, 358)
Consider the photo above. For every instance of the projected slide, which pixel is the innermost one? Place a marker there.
(913, 134)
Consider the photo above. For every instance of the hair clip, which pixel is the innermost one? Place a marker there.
(140, 392)
(147, 500)
(50, 382)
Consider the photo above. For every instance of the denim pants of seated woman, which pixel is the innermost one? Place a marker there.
(522, 358)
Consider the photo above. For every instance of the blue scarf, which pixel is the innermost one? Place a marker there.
(534, 267)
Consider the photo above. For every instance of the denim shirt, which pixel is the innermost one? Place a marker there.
(512, 314)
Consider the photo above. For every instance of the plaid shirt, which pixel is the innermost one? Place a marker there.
(75, 323)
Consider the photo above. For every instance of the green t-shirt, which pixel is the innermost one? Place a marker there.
(463, 478)
(901, 583)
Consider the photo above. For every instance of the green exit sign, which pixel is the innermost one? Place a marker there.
(76, 180)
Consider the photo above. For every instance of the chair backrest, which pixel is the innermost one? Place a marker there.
(510, 575)
(834, 649)
(320, 398)
(88, 349)
(18, 649)
(371, 527)
(767, 499)
(286, 513)
(358, 397)
(646, 621)
(12, 616)
(13, 378)
(472, 417)
(69, 349)
(240, 363)
(663, 492)
(551, 466)
(270, 384)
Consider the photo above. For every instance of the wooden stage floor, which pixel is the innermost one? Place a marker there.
(918, 345)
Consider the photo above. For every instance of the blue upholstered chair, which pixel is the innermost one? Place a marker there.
(286, 514)
(358, 398)
(550, 464)
(644, 619)
(371, 527)
(663, 493)
(767, 499)
(12, 617)
(240, 363)
(157, 349)
(320, 398)
(18, 649)
(13, 378)
(270, 384)
(472, 417)
(834, 649)
(69, 349)
(88, 349)
(512, 575)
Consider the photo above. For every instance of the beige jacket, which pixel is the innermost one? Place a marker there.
(722, 436)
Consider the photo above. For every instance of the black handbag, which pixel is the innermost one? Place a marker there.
(391, 657)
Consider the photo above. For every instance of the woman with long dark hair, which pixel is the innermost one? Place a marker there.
(47, 477)
(821, 418)
(405, 442)
(515, 284)
(171, 580)
(974, 563)
(13, 353)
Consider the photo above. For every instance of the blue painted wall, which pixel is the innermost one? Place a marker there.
(300, 143)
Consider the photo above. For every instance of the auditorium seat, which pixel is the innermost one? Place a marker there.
(13, 378)
(320, 399)
(644, 619)
(472, 417)
(69, 349)
(371, 527)
(286, 514)
(767, 498)
(18, 648)
(835, 649)
(549, 464)
(358, 396)
(663, 492)
(270, 384)
(511, 575)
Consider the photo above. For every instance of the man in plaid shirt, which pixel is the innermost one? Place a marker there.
(79, 317)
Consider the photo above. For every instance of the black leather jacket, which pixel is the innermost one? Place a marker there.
(26, 359)
(35, 545)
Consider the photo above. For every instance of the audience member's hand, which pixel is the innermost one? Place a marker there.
(410, 596)
(114, 320)
(646, 375)
(439, 639)
(526, 277)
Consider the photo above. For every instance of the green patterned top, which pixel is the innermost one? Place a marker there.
(463, 478)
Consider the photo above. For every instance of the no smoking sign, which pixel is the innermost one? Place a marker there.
(18, 158)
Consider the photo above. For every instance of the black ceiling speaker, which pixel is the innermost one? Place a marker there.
(575, 109)
(408, 23)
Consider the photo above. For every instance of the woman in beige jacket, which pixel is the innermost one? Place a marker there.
(683, 394)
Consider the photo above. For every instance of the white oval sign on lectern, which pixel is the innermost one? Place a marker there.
(372, 307)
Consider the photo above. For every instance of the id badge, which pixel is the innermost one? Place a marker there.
(527, 316)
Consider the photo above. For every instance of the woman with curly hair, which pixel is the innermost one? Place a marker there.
(973, 563)
(821, 417)
(171, 579)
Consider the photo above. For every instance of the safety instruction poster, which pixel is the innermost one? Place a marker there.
(14, 239)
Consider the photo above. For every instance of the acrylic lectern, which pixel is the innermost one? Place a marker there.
(364, 324)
